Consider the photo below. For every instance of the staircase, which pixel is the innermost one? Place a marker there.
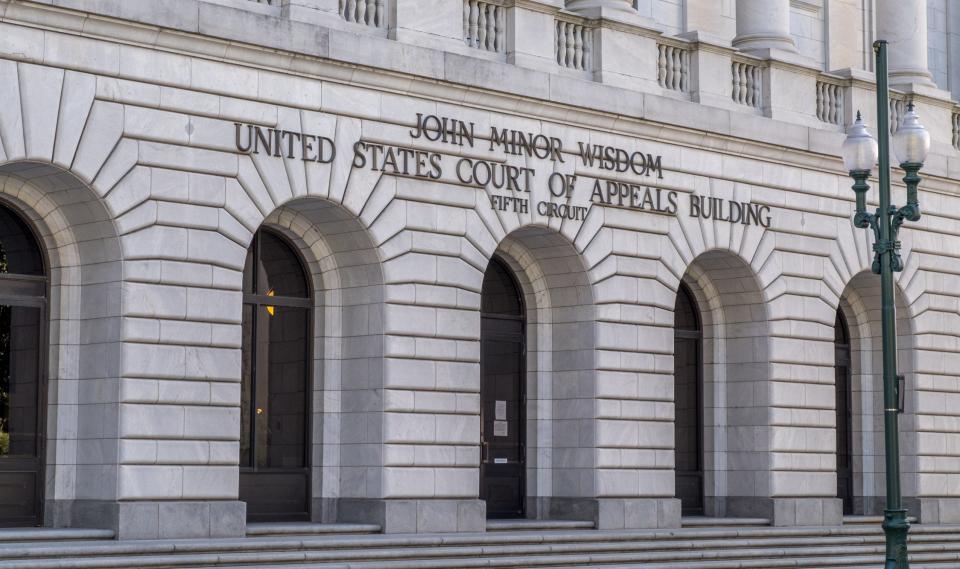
(852, 546)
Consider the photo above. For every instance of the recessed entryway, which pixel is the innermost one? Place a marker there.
(275, 390)
(502, 354)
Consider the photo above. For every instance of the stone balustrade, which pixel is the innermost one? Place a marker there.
(372, 13)
(673, 67)
(574, 45)
(747, 80)
(484, 25)
(830, 101)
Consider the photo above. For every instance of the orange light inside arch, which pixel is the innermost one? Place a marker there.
(270, 309)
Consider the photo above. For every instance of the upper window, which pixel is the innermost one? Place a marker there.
(19, 252)
(273, 269)
(500, 294)
(686, 315)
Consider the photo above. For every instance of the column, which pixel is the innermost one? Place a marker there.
(903, 23)
(763, 24)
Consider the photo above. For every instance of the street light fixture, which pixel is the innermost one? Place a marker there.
(860, 152)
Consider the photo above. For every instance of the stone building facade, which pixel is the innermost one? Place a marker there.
(421, 262)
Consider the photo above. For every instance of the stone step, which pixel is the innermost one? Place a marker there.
(162, 548)
(810, 557)
(535, 525)
(491, 556)
(660, 539)
(872, 563)
(705, 522)
(297, 528)
(696, 547)
(53, 534)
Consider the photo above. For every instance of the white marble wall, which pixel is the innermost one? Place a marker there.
(147, 209)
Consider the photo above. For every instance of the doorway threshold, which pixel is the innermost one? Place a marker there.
(537, 525)
(705, 522)
(287, 529)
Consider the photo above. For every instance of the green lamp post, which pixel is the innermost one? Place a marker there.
(860, 152)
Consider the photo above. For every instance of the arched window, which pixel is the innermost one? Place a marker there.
(275, 390)
(688, 402)
(23, 304)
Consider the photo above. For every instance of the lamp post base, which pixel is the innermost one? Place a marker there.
(896, 526)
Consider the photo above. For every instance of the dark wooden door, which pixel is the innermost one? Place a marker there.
(844, 415)
(688, 406)
(502, 417)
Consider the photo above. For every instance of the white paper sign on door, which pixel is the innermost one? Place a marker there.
(500, 411)
(500, 429)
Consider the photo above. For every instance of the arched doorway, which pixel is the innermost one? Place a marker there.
(502, 417)
(23, 305)
(275, 389)
(841, 345)
(688, 402)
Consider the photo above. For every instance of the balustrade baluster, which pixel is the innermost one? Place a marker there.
(675, 79)
(481, 27)
(491, 28)
(587, 49)
(501, 30)
(661, 65)
(361, 14)
(371, 13)
(578, 47)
